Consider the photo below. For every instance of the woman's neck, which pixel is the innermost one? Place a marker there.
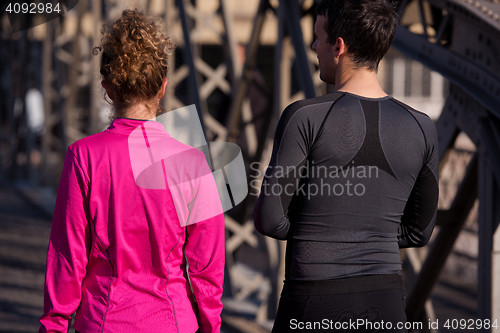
(144, 111)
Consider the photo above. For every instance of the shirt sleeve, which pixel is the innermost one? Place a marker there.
(291, 146)
(205, 251)
(68, 249)
(419, 216)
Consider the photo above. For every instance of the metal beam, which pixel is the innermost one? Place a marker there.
(490, 137)
(243, 83)
(443, 244)
(470, 77)
(488, 198)
(293, 24)
(189, 59)
(447, 131)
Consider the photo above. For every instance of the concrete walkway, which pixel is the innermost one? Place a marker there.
(24, 237)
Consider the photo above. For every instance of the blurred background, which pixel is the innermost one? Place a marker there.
(241, 63)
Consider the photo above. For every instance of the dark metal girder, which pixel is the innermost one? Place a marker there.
(488, 220)
(470, 77)
(447, 130)
(443, 244)
(293, 24)
(446, 217)
(189, 59)
(490, 136)
(243, 83)
(481, 11)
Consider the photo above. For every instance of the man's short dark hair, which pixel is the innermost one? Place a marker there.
(366, 26)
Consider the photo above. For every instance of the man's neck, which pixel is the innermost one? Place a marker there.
(361, 82)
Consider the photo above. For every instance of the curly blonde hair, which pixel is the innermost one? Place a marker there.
(134, 58)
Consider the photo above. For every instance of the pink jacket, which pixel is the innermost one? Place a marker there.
(117, 252)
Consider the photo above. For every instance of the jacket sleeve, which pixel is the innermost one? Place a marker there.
(419, 216)
(205, 252)
(291, 147)
(68, 249)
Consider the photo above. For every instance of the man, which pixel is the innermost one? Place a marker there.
(353, 177)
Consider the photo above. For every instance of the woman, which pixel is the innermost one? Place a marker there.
(137, 244)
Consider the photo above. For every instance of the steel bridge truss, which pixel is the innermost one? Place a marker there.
(458, 38)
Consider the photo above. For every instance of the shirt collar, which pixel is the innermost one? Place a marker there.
(126, 125)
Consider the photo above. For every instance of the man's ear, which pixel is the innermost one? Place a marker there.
(339, 47)
(162, 89)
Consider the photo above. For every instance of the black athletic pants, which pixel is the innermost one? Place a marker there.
(355, 304)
